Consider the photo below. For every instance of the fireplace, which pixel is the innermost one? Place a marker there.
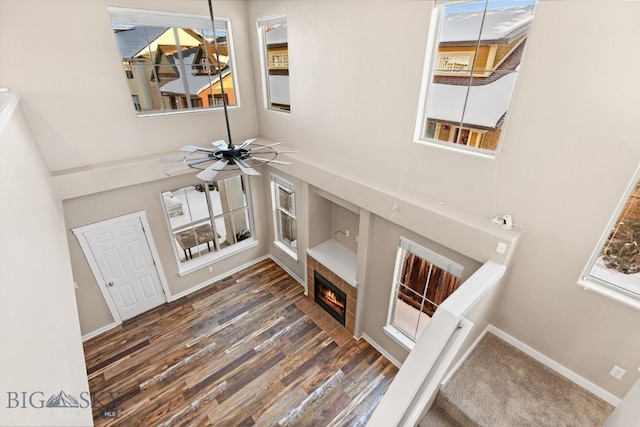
(329, 297)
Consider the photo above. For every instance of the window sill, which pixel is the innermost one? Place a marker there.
(286, 249)
(161, 113)
(485, 154)
(606, 291)
(399, 337)
(208, 259)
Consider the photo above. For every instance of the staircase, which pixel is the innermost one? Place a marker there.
(500, 386)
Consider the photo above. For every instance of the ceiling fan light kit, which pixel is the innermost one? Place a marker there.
(223, 156)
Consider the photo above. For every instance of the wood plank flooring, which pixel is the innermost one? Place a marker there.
(247, 350)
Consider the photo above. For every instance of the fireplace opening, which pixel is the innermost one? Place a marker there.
(329, 297)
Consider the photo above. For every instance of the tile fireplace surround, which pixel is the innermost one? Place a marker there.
(351, 291)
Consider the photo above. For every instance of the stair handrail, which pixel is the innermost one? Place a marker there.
(417, 382)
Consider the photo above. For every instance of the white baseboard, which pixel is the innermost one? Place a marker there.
(289, 272)
(100, 331)
(382, 351)
(218, 277)
(552, 364)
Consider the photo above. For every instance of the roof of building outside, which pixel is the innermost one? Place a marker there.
(498, 24)
(132, 40)
(483, 108)
(277, 36)
(195, 82)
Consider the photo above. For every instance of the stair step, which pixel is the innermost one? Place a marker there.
(499, 385)
(436, 417)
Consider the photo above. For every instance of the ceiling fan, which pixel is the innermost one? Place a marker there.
(223, 156)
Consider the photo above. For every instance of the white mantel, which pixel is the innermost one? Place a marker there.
(337, 258)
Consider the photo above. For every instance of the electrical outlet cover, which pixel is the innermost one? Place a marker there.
(617, 372)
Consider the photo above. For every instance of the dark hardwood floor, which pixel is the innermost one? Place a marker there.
(250, 349)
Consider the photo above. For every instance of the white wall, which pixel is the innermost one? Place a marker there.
(79, 104)
(41, 345)
(566, 159)
(627, 413)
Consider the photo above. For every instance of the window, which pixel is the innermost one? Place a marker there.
(209, 220)
(453, 62)
(616, 261)
(216, 100)
(422, 280)
(170, 60)
(471, 71)
(275, 60)
(284, 206)
(127, 70)
(136, 102)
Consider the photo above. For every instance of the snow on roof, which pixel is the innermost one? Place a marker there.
(134, 39)
(498, 24)
(195, 82)
(277, 35)
(485, 105)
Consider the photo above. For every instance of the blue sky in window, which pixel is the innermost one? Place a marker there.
(493, 4)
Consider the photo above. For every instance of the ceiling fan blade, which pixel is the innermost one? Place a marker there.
(246, 143)
(221, 144)
(245, 167)
(175, 170)
(270, 145)
(176, 158)
(210, 172)
(267, 152)
(194, 148)
(184, 157)
(278, 162)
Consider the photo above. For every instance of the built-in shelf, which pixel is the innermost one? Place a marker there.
(337, 258)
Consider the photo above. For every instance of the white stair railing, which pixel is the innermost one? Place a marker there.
(417, 382)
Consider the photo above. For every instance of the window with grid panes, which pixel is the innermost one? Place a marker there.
(171, 60)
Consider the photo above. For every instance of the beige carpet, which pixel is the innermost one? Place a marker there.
(436, 417)
(500, 386)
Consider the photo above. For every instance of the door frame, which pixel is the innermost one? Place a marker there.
(88, 254)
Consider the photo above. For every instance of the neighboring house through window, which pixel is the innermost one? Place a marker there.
(274, 46)
(209, 221)
(284, 208)
(170, 60)
(615, 264)
(136, 102)
(471, 75)
(422, 281)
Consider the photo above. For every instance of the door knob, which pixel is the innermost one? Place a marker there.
(110, 284)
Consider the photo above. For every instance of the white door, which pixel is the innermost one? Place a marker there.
(122, 254)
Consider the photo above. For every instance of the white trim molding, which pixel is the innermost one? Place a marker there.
(8, 103)
(100, 331)
(288, 271)
(381, 350)
(555, 366)
(216, 278)
(463, 359)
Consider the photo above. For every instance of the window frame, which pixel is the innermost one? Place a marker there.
(440, 261)
(588, 281)
(429, 72)
(264, 60)
(278, 182)
(216, 254)
(178, 20)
